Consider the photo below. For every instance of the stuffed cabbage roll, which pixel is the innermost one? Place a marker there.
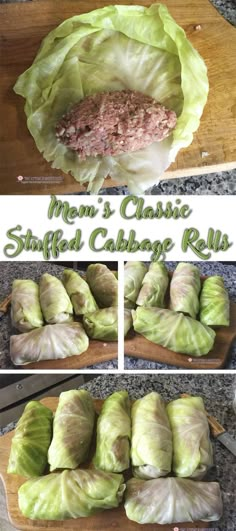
(79, 293)
(70, 494)
(31, 440)
(133, 276)
(151, 442)
(128, 321)
(214, 303)
(25, 307)
(173, 330)
(55, 303)
(102, 324)
(103, 284)
(172, 500)
(154, 286)
(184, 289)
(192, 449)
(72, 430)
(113, 434)
(48, 343)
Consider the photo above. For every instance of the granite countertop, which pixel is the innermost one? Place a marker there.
(9, 271)
(228, 272)
(218, 392)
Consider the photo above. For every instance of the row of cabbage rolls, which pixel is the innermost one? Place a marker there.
(182, 320)
(156, 440)
(56, 303)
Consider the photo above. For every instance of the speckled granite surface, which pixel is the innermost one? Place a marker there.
(217, 392)
(228, 272)
(10, 271)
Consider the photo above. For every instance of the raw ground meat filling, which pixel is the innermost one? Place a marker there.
(111, 123)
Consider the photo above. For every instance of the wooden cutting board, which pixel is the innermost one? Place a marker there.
(138, 346)
(23, 26)
(105, 521)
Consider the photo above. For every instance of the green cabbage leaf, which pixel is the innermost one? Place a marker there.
(115, 48)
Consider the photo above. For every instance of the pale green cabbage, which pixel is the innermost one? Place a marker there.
(50, 342)
(55, 303)
(70, 494)
(128, 321)
(31, 440)
(151, 442)
(25, 307)
(102, 324)
(173, 330)
(72, 430)
(184, 289)
(214, 303)
(133, 276)
(103, 284)
(113, 434)
(115, 48)
(192, 450)
(172, 500)
(154, 286)
(79, 292)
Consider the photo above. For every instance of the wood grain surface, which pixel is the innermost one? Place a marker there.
(138, 346)
(114, 519)
(23, 26)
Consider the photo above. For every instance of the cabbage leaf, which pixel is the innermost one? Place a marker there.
(79, 292)
(26, 312)
(114, 48)
(154, 286)
(214, 302)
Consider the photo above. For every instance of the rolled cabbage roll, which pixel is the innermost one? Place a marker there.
(192, 449)
(133, 276)
(173, 330)
(55, 302)
(31, 440)
(151, 442)
(102, 324)
(128, 321)
(51, 342)
(72, 430)
(154, 286)
(184, 289)
(25, 307)
(79, 292)
(214, 302)
(114, 434)
(103, 284)
(172, 500)
(70, 494)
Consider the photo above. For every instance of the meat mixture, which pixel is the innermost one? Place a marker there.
(111, 123)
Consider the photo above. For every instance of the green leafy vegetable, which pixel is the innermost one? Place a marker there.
(192, 450)
(214, 302)
(103, 284)
(102, 324)
(115, 48)
(128, 321)
(133, 276)
(31, 440)
(79, 292)
(55, 303)
(154, 286)
(172, 500)
(151, 443)
(173, 330)
(50, 342)
(113, 434)
(72, 430)
(184, 289)
(25, 307)
(70, 494)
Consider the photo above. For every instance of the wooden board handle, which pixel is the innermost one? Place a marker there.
(216, 428)
(5, 304)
